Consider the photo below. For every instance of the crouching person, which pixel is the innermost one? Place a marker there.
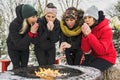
(97, 45)
(70, 38)
(21, 30)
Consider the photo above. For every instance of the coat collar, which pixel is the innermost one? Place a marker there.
(103, 23)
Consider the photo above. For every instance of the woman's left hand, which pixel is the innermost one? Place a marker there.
(50, 25)
(86, 29)
(63, 46)
(34, 28)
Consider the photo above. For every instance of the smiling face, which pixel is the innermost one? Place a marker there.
(70, 22)
(89, 20)
(50, 17)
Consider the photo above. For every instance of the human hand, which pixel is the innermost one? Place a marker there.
(50, 25)
(66, 45)
(34, 28)
(61, 49)
(86, 29)
(63, 46)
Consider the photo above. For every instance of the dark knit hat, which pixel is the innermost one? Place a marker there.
(28, 11)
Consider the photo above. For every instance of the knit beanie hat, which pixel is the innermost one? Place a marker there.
(71, 13)
(50, 8)
(92, 11)
(28, 11)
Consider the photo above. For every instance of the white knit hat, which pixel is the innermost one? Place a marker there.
(92, 11)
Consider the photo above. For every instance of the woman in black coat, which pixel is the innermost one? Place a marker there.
(21, 31)
(49, 34)
(70, 39)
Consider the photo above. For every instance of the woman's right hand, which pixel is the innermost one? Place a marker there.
(86, 29)
(63, 46)
(50, 25)
(34, 28)
(66, 45)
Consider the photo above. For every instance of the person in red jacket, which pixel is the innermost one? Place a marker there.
(97, 45)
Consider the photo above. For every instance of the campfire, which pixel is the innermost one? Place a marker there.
(56, 72)
(48, 74)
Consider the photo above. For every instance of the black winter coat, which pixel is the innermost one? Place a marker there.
(16, 41)
(47, 39)
(75, 41)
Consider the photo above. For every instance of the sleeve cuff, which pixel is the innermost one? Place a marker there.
(32, 35)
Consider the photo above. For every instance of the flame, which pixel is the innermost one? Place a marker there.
(47, 74)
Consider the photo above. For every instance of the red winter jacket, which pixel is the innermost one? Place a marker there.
(100, 42)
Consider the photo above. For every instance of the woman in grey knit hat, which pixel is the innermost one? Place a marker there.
(97, 45)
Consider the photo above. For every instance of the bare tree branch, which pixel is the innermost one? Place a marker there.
(77, 3)
(72, 2)
(64, 4)
(40, 10)
(67, 3)
(61, 6)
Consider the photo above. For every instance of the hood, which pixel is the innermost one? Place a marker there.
(102, 24)
(19, 13)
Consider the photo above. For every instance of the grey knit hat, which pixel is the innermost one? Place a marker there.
(28, 11)
(92, 11)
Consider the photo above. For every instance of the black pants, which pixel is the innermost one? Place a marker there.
(19, 58)
(73, 56)
(98, 63)
(46, 57)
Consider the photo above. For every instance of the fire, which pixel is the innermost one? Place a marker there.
(47, 74)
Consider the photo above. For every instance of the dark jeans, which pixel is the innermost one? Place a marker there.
(46, 57)
(19, 58)
(98, 63)
(73, 56)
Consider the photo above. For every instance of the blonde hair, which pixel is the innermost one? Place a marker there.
(24, 26)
